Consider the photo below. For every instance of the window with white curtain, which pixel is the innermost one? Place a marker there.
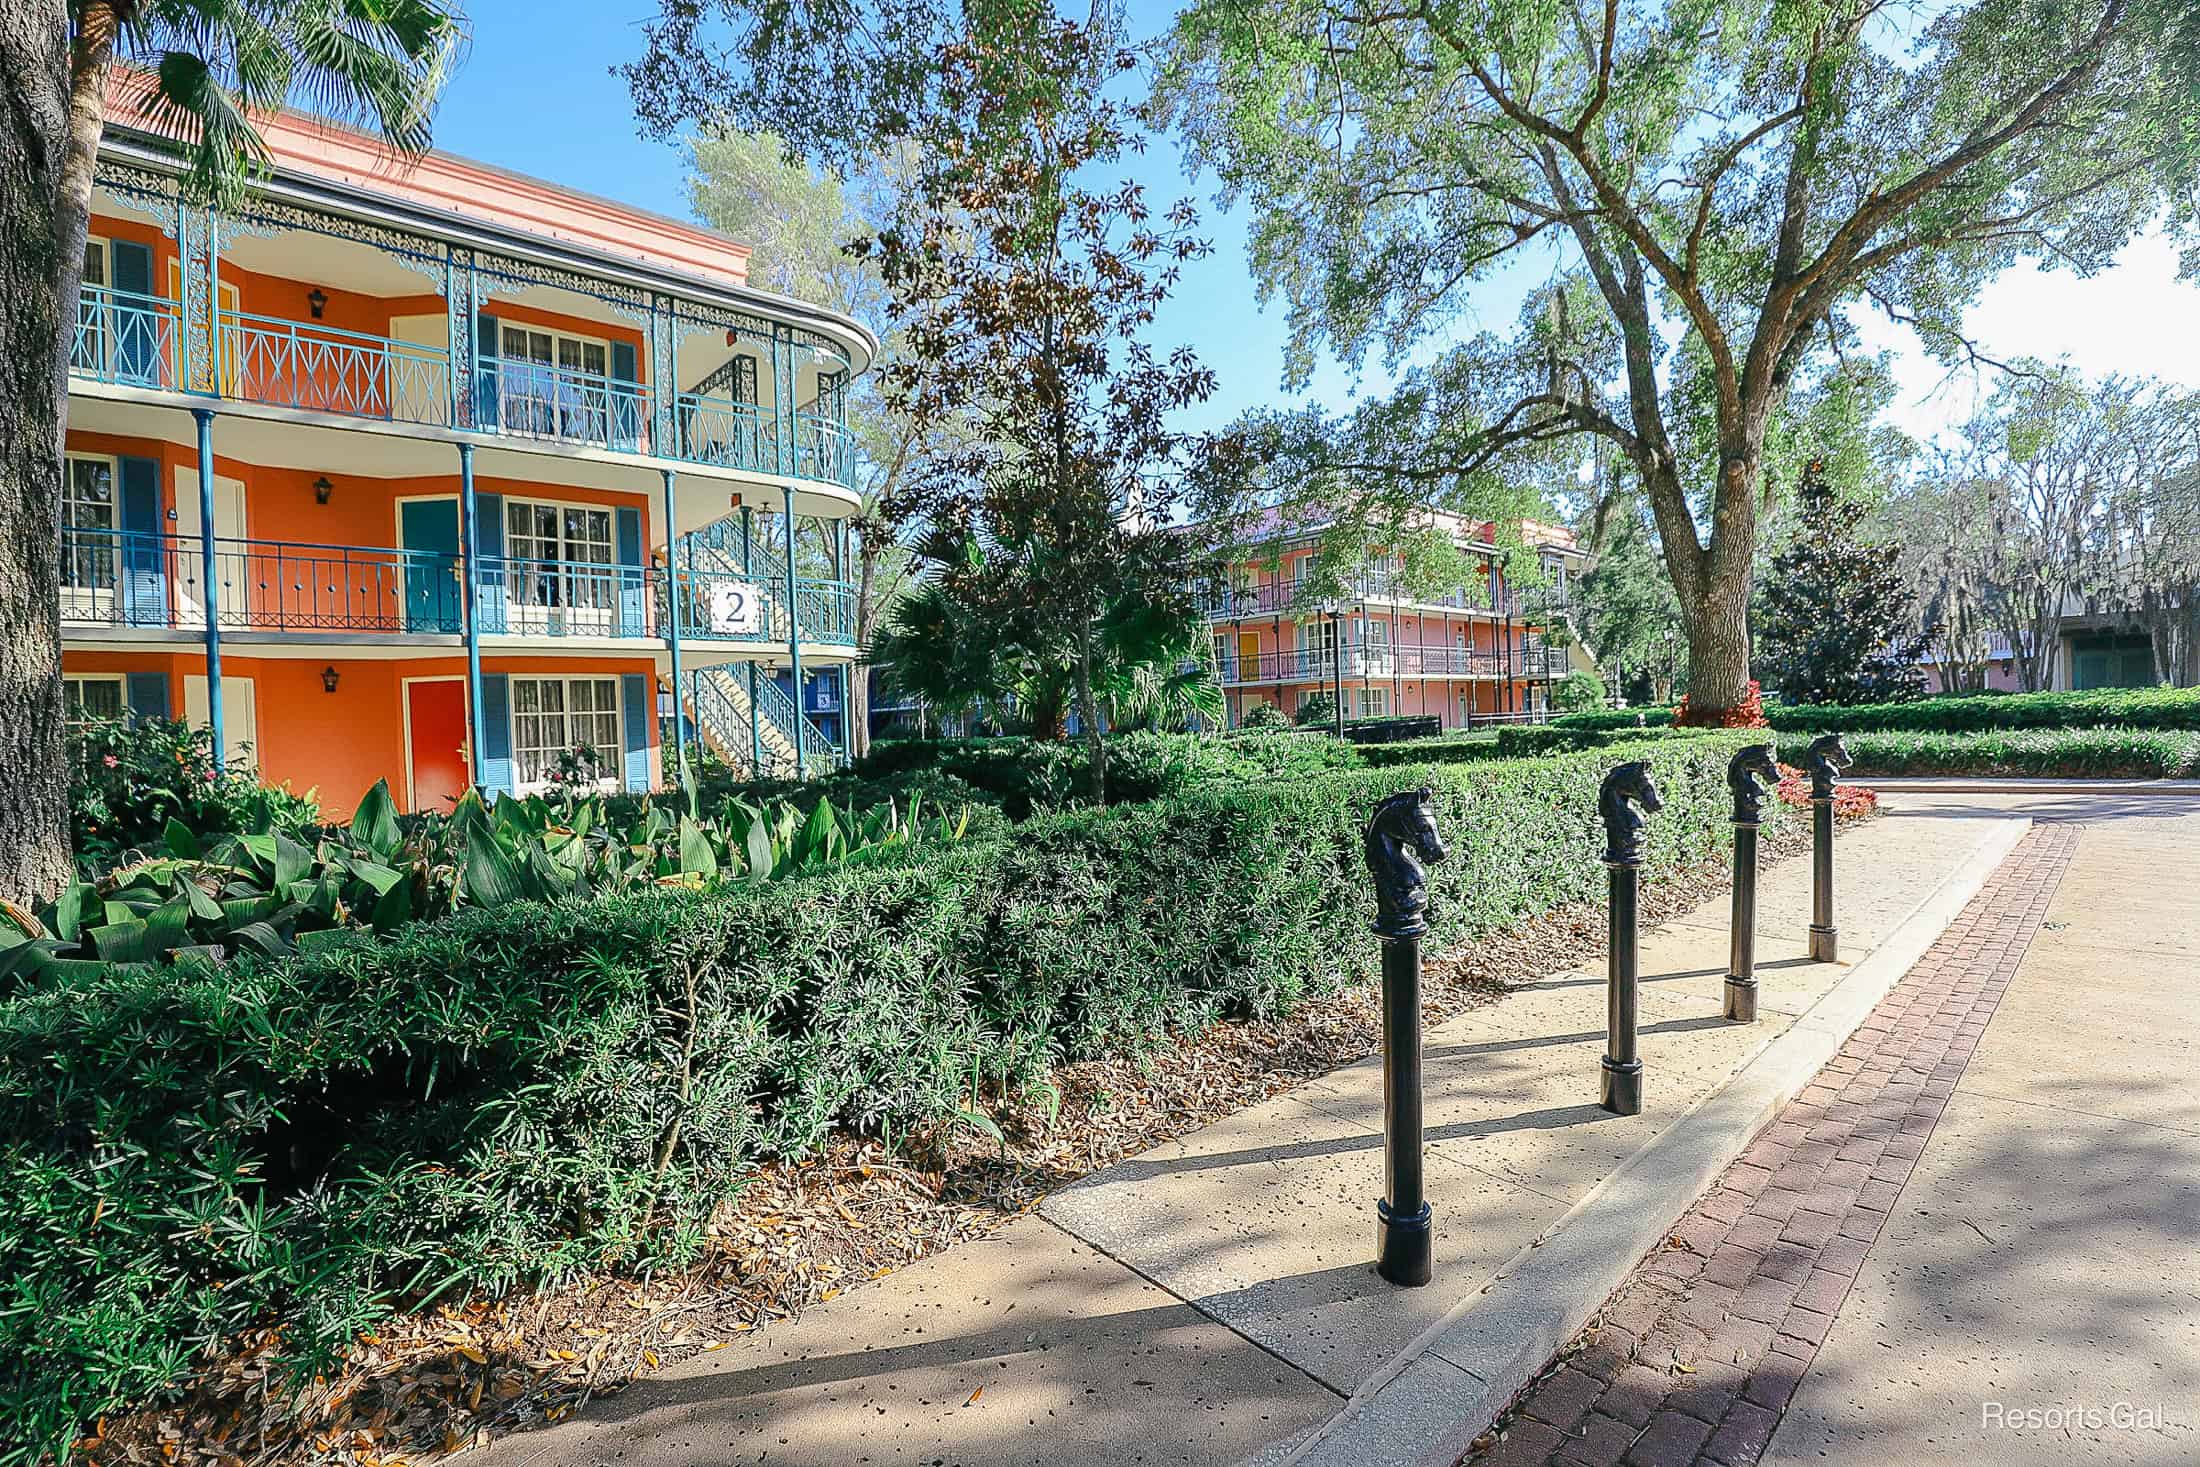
(558, 715)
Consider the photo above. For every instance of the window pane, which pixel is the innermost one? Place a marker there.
(569, 352)
(592, 358)
(95, 262)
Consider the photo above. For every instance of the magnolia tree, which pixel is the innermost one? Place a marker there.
(1709, 187)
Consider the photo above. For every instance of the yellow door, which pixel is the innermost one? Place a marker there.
(1248, 655)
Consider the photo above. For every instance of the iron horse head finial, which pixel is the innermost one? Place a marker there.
(1743, 775)
(1401, 837)
(1826, 757)
(1623, 790)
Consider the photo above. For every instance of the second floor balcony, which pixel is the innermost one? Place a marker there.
(1312, 665)
(302, 297)
(1288, 598)
(146, 582)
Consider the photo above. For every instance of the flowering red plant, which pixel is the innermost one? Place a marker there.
(1749, 713)
(1850, 801)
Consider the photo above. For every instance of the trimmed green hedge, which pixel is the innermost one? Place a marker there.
(1648, 716)
(1528, 741)
(2046, 752)
(1026, 775)
(2101, 708)
(512, 1093)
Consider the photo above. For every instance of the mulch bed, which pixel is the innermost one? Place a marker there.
(432, 1383)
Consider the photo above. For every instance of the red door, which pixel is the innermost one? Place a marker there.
(435, 713)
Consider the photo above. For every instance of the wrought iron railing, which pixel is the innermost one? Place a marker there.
(1287, 597)
(1315, 664)
(137, 340)
(819, 753)
(824, 450)
(724, 433)
(121, 578)
(530, 399)
(125, 338)
(303, 364)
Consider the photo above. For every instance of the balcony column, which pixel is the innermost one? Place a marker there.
(756, 728)
(673, 571)
(794, 637)
(847, 669)
(469, 593)
(209, 588)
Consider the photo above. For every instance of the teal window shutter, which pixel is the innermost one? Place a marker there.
(637, 708)
(137, 329)
(143, 567)
(489, 582)
(485, 378)
(625, 408)
(147, 694)
(496, 734)
(633, 613)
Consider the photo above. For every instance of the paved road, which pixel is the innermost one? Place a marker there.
(1977, 1238)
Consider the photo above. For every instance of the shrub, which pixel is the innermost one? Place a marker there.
(1470, 748)
(129, 777)
(1646, 716)
(1578, 692)
(2101, 708)
(1749, 713)
(1527, 741)
(1265, 716)
(2045, 752)
(265, 893)
(1316, 710)
(513, 1092)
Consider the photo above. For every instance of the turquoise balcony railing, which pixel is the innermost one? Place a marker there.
(125, 338)
(303, 364)
(724, 433)
(824, 450)
(118, 578)
(124, 579)
(818, 752)
(531, 399)
(138, 341)
(732, 606)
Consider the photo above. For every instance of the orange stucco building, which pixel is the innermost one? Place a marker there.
(1472, 654)
(426, 472)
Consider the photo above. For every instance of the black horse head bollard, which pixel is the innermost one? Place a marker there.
(1824, 760)
(1400, 837)
(1743, 773)
(1624, 789)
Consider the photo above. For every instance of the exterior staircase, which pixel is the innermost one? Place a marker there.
(718, 697)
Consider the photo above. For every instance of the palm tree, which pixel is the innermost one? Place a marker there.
(1154, 667)
(195, 72)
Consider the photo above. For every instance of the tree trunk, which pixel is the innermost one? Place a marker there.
(45, 197)
(1718, 644)
(1088, 713)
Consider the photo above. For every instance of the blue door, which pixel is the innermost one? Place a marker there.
(429, 529)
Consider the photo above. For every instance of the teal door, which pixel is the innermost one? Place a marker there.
(429, 529)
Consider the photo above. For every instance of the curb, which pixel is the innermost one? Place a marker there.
(1427, 1406)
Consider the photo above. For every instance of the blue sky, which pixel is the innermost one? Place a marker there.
(537, 94)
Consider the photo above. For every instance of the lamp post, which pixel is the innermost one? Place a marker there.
(1825, 759)
(1743, 772)
(1401, 835)
(1624, 789)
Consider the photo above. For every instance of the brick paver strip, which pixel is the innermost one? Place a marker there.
(1696, 1356)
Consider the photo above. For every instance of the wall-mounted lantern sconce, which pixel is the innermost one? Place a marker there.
(321, 488)
(328, 679)
(317, 301)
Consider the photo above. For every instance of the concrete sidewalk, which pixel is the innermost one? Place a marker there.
(2044, 1256)
(1212, 1299)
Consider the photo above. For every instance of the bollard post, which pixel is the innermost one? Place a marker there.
(1401, 835)
(1743, 772)
(1624, 788)
(1825, 759)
